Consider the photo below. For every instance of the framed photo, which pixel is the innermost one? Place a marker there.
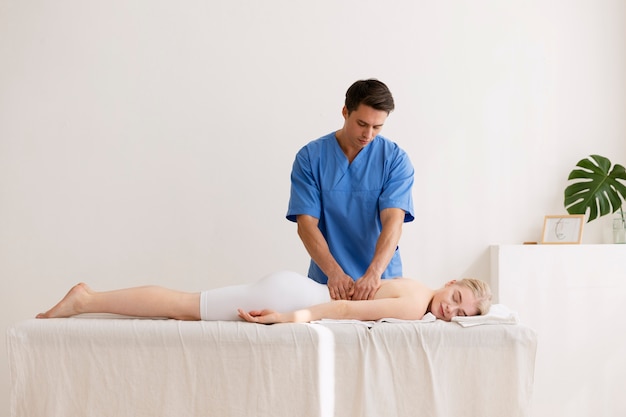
(563, 229)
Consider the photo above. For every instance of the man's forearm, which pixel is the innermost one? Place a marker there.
(316, 246)
(392, 220)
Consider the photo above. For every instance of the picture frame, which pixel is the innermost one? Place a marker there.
(563, 229)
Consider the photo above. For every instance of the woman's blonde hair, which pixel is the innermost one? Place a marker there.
(481, 291)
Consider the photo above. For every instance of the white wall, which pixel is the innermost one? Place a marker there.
(580, 364)
(151, 141)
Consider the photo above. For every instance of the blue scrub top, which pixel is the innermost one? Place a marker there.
(348, 198)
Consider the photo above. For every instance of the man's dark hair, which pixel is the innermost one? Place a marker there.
(370, 92)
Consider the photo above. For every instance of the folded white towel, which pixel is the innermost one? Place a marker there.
(428, 318)
(498, 314)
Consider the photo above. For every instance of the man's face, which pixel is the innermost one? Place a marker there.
(362, 125)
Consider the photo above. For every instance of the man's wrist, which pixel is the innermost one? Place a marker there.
(374, 272)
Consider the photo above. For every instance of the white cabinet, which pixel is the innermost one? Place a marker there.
(574, 296)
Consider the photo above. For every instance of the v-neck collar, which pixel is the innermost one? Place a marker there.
(342, 156)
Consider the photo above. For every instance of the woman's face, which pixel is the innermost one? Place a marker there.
(453, 300)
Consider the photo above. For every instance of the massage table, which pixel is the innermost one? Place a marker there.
(122, 367)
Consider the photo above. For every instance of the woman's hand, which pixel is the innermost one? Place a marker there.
(263, 316)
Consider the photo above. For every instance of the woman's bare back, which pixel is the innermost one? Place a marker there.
(414, 291)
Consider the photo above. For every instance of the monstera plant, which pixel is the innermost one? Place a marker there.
(598, 187)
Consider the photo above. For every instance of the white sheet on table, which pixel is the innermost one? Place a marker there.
(138, 368)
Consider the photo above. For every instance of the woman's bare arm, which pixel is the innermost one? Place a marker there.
(401, 307)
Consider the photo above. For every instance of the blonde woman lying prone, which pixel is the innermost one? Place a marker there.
(280, 298)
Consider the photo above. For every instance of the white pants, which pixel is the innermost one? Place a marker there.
(281, 291)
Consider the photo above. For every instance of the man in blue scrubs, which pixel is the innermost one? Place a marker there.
(350, 195)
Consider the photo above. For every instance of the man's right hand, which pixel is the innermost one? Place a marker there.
(340, 287)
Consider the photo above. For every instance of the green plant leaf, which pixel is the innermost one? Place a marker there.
(598, 187)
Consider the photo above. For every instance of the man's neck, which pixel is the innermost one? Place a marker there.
(348, 151)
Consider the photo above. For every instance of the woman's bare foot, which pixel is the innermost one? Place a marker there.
(70, 305)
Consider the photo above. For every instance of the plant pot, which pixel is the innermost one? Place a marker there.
(619, 230)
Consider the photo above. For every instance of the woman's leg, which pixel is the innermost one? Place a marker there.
(139, 302)
(281, 291)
